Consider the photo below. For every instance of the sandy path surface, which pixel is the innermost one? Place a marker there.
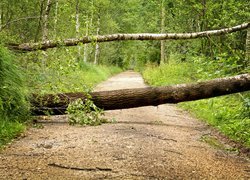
(161, 142)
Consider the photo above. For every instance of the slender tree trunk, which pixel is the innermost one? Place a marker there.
(163, 56)
(55, 20)
(203, 26)
(85, 57)
(150, 96)
(45, 31)
(125, 37)
(1, 15)
(45, 21)
(89, 22)
(40, 21)
(78, 26)
(97, 48)
(247, 56)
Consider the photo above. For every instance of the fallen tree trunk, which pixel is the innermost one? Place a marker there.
(129, 98)
(123, 37)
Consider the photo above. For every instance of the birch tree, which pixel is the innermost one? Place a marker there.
(247, 56)
(78, 26)
(56, 18)
(85, 56)
(163, 14)
(97, 47)
(45, 20)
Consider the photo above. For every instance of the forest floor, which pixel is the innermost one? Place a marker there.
(161, 142)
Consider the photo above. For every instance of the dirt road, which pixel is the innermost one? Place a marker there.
(161, 142)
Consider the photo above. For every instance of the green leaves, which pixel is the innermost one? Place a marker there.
(84, 113)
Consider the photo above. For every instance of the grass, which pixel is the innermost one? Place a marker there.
(227, 113)
(10, 130)
(230, 114)
(175, 73)
(69, 79)
(14, 108)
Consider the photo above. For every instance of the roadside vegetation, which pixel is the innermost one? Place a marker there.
(18, 82)
(14, 107)
(230, 114)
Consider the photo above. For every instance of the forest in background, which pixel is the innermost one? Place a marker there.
(55, 70)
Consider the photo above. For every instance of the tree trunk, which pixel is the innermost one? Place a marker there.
(85, 56)
(45, 21)
(78, 27)
(40, 21)
(163, 56)
(1, 15)
(247, 56)
(97, 48)
(124, 37)
(45, 32)
(130, 98)
(55, 20)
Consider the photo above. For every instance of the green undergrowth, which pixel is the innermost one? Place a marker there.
(41, 73)
(14, 107)
(73, 77)
(230, 114)
(10, 130)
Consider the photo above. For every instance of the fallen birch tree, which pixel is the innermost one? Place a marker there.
(123, 37)
(149, 96)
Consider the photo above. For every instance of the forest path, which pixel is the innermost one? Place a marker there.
(161, 142)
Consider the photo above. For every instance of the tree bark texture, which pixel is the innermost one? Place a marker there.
(78, 26)
(124, 37)
(56, 18)
(149, 96)
(45, 20)
(97, 47)
(162, 60)
(247, 56)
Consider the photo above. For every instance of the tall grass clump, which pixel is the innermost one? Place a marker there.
(170, 73)
(13, 98)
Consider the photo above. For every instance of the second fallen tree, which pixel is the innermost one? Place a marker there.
(149, 96)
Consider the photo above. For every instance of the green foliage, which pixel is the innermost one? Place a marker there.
(13, 93)
(13, 98)
(10, 130)
(228, 113)
(169, 74)
(61, 72)
(84, 113)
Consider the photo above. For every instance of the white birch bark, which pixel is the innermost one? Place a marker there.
(97, 48)
(126, 37)
(55, 20)
(162, 60)
(247, 57)
(78, 26)
(45, 21)
(86, 45)
(1, 19)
